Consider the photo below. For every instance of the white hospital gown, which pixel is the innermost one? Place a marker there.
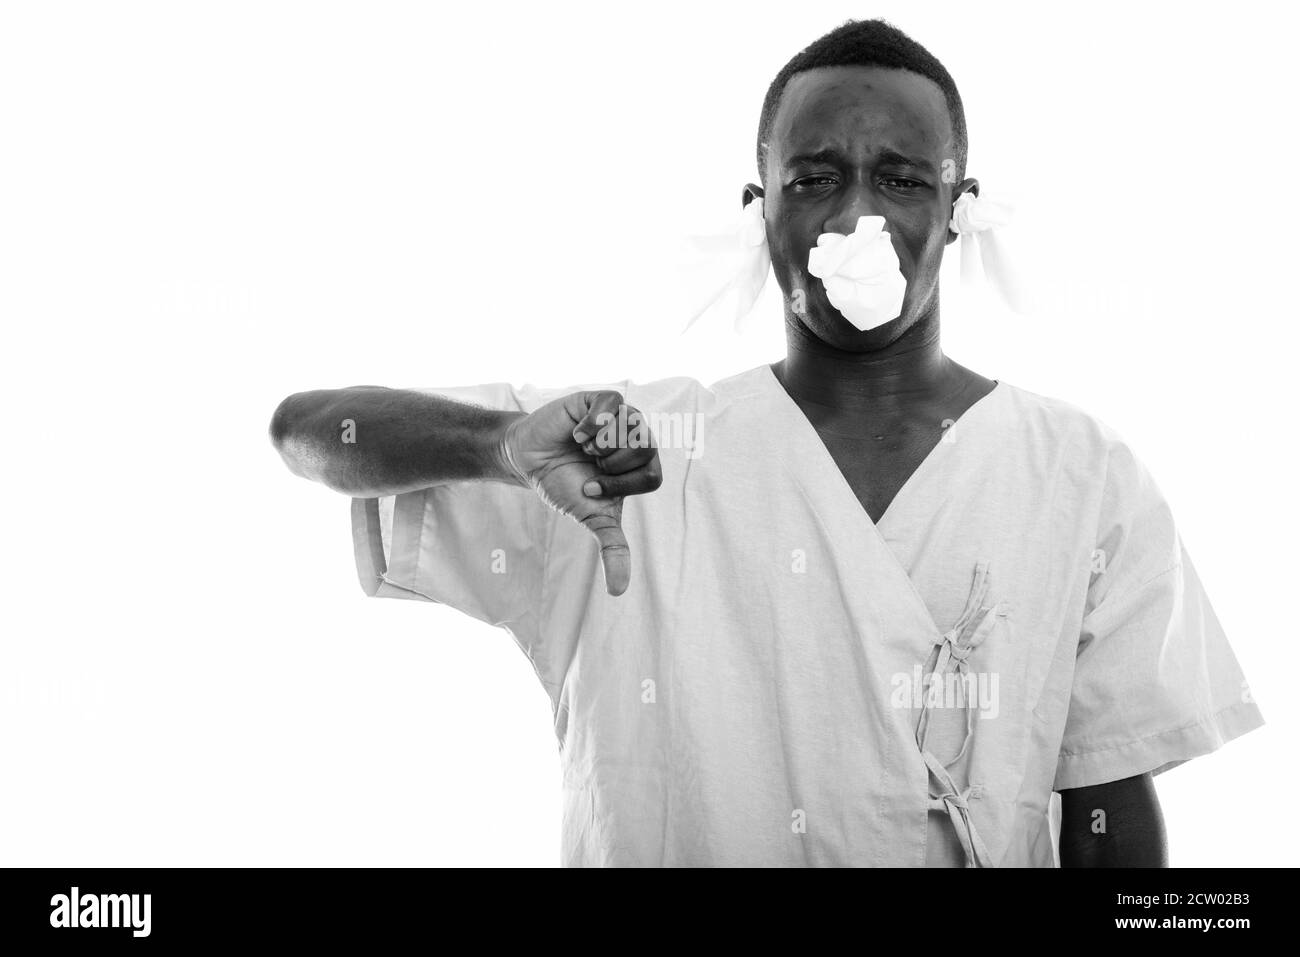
(754, 698)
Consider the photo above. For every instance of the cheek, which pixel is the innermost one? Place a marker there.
(920, 254)
(789, 271)
(789, 251)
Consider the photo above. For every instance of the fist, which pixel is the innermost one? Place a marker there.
(583, 454)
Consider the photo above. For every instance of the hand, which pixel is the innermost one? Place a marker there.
(582, 454)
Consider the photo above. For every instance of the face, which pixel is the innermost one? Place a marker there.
(859, 141)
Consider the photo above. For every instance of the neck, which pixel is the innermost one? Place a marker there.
(911, 369)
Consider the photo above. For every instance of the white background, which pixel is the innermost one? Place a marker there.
(206, 207)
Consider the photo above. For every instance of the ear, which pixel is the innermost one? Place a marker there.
(750, 193)
(971, 186)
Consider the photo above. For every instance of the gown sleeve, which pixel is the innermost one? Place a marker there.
(479, 547)
(1155, 682)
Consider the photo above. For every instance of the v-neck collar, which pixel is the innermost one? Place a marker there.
(809, 447)
(889, 594)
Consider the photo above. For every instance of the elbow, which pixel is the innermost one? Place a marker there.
(302, 433)
(295, 431)
(282, 422)
(286, 429)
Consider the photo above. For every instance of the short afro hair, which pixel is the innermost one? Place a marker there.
(866, 43)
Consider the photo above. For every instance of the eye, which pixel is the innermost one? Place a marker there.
(813, 182)
(898, 182)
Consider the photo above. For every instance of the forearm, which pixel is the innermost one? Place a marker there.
(368, 441)
(1118, 824)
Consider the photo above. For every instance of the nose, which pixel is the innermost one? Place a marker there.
(855, 203)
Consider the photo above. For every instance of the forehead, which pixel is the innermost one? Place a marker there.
(860, 110)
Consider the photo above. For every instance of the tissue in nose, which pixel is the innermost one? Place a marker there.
(861, 273)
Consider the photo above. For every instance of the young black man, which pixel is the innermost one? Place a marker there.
(882, 608)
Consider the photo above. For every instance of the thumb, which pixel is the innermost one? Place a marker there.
(615, 555)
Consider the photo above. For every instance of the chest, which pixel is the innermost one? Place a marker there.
(879, 454)
(878, 464)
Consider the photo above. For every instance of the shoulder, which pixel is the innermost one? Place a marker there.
(685, 394)
(1084, 437)
(672, 394)
(1098, 463)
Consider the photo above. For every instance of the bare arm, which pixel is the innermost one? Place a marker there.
(581, 453)
(368, 441)
(1118, 824)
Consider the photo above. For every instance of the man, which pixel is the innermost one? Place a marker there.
(863, 606)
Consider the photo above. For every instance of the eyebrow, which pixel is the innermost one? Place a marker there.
(886, 156)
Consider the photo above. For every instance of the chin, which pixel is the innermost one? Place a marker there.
(836, 331)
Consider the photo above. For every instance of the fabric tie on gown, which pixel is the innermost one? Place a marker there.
(949, 656)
